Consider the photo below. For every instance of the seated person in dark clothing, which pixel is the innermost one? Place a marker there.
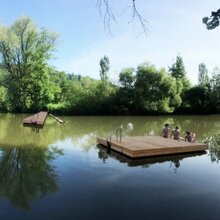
(165, 131)
(190, 137)
(176, 134)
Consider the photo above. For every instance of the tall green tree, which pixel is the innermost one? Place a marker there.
(203, 78)
(177, 70)
(104, 68)
(125, 95)
(215, 90)
(25, 51)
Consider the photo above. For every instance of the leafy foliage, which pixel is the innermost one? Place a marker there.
(105, 66)
(177, 70)
(156, 91)
(203, 78)
(213, 21)
(24, 53)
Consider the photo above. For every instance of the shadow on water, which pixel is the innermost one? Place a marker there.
(104, 154)
(26, 174)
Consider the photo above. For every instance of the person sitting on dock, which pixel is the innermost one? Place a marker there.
(190, 137)
(176, 134)
(165, 131)
(33, 121)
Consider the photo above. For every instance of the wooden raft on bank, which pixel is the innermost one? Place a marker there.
(36, 120)
(144, 146)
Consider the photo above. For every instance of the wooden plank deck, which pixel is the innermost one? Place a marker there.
(36, 120)
(132, 162)
(144, 146)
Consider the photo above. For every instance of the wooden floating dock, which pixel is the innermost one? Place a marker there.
(133, 162)
(36, 120)
(145, 146)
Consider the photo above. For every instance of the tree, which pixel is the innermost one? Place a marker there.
(126, 78)
(105, 66)
(156, 91)
(125, 95)
(177, 70)
(213, 21)
(215, 89)
(198, 99)
(25, 51)
(203, 78)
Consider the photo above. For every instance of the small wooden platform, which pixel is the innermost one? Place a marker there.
(36, 120)
(144, 146)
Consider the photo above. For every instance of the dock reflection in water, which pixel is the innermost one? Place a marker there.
(105, 153)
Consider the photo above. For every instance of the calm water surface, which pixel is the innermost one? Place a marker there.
(60, 172)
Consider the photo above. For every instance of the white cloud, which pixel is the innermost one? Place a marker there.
(123, 51)
(180, 32)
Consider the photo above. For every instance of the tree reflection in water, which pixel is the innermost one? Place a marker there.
(214, 147)
(26, 174)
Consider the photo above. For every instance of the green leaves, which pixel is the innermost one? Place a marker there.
(213, 21)
(156, 90)
(177, 70)
(105, 66)
(205, 20)
(126, 77)
(25, 51)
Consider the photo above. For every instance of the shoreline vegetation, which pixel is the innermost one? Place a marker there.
(29, 84)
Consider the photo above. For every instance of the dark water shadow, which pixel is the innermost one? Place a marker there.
(27, 174)
(104, 154)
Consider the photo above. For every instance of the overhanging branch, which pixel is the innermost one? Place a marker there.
(212, 21)
(104, 5)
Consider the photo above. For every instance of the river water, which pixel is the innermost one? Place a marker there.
(60, 172)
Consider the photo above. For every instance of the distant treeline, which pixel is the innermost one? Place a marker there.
(29, 84)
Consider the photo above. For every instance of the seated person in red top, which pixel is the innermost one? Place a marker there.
(190, 137)
(165, 131)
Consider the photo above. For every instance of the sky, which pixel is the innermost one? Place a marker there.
(174, 28)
